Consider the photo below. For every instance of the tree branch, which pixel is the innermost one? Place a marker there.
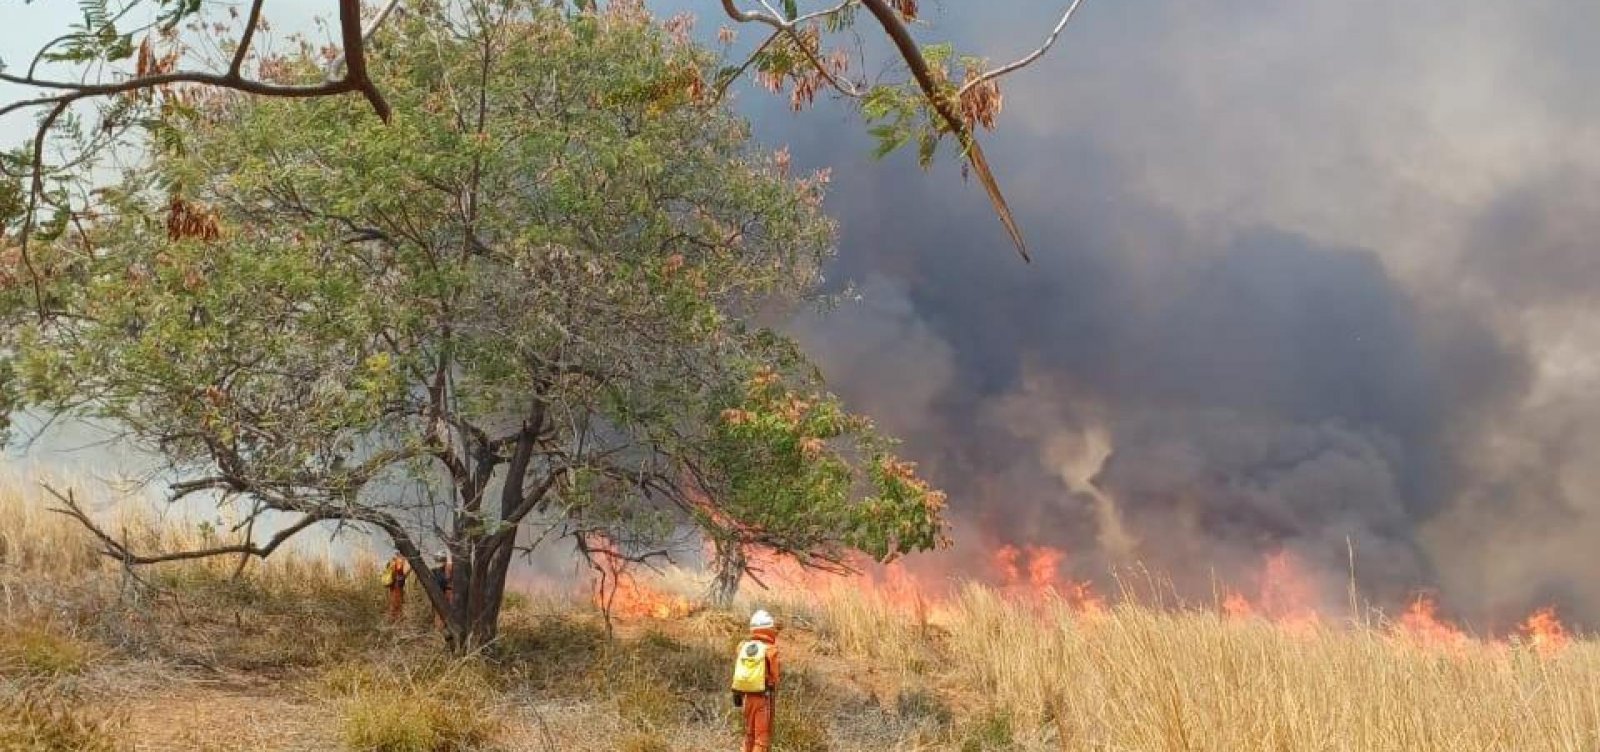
(355, 52)
(245, 37)
(35, 192)
(120, 551)
(1028, 59)
(366, 34)
(790, 28)
(722, 86)
(945, 106)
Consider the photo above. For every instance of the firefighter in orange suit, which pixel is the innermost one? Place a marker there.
(755, 679)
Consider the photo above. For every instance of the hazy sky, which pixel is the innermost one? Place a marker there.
(1307, 272)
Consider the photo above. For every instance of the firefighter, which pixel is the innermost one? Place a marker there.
(442, 575)
(394, 578)
(755, 681)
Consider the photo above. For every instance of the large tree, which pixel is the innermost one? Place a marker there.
(535, 295)
(92, 85)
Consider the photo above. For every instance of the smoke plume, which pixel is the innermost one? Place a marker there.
(1314, 278)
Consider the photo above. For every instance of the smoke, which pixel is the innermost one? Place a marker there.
(1314, 277)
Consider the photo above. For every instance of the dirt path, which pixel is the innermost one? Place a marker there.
(211, 716)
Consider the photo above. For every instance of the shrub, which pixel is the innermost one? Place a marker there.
(801, 719)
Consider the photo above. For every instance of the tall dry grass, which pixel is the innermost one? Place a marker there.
(34, 539)
(990, 673)
(1135, 678)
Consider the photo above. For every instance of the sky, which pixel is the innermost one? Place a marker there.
(1308, 276)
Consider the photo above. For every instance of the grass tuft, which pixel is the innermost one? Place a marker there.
(49, 723)
(35, 650)
(437, 710)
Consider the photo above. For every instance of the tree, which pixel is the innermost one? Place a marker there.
(920, 103)
(530, 297)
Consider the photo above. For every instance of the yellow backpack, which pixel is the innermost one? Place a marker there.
(750, 667)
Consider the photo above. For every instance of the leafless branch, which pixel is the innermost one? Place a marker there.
(1028, 59)
(35, 192)
(120, 551)
(245, 37)
(366, 34)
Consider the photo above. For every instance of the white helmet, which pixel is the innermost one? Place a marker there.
(760, 620)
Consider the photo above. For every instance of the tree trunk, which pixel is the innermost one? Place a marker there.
(729, 565)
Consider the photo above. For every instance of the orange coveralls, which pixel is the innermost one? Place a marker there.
(758, 707)
(397, 587)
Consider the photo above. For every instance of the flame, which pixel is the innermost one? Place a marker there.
(1005, 562)
(1236, 606)
(1042, 565)
(1421, 624)
(1544, 632)
(1285, 596)
(632, 599)
(1034, 573)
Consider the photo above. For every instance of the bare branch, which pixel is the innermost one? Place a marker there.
(733, 11)
(1027, 60)
(35, 192)
(120, 551)
(366, 34)
(245, 37)
(220, 80)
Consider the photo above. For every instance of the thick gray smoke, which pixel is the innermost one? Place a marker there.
(1307, 277)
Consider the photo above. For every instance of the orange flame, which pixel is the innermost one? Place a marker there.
(1421, 624)
(1285, 596)
(1034, 573)
(1545, 632)
(1236, 606)
(631, 599)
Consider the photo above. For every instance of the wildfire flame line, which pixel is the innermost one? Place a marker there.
(1284, 597)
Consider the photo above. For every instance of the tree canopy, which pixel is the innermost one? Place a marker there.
(536, 295)
(93, 85)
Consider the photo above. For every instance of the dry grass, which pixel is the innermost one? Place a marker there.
(45, 722)
(436, 707)
(41, 651)
(33, 539)
(861, 673)
(1140, 679)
